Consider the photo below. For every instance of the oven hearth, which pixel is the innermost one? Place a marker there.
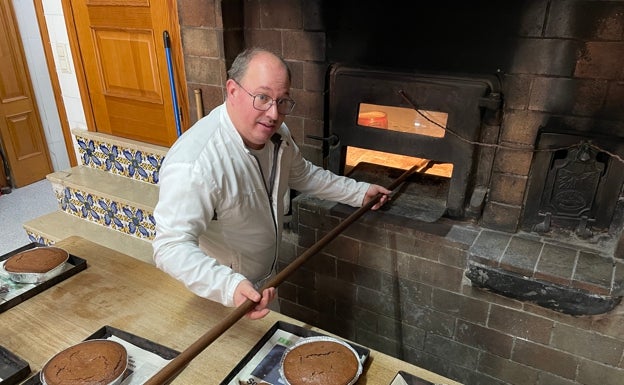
(421, 197)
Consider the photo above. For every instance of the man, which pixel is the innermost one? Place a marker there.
(224, 185)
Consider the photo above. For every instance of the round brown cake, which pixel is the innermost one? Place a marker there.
(37, 260)
(320, 362)
(93, 362)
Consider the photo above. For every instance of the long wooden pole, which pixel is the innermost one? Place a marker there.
(173, 368)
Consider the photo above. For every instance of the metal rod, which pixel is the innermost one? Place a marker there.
(173, 368)
(174, 94)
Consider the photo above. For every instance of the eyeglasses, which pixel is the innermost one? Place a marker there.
(263, 102)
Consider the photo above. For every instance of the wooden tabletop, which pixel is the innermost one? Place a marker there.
(136, 297)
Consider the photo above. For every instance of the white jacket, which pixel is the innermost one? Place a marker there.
(216, 224)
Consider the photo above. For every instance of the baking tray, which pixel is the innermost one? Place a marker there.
(74, 265)
(143, 345)
(404, 378)
(13, 369)
(267, 369)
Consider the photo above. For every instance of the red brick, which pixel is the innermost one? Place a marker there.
(520, 324)
(545, 358)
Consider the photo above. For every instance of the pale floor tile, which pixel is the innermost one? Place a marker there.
(21, 205)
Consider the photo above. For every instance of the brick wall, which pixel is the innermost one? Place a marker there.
(568, 75)
(214, 32)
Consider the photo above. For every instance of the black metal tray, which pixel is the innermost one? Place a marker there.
(13, 369)
(362, 352)
(108, 331)
(410, 379)
(78, 264)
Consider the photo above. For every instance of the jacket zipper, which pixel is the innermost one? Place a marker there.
(269, 190)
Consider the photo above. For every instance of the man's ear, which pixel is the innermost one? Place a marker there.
(230, 87)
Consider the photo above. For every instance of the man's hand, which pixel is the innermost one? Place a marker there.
(372, 192)
(245, 291)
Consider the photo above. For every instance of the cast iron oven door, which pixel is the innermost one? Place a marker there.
(574, 185)
(465, 100)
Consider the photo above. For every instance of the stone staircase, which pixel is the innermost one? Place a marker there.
(109, 198)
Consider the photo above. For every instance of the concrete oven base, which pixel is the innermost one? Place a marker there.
(404, 287)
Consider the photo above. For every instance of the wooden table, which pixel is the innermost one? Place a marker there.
(131, 295)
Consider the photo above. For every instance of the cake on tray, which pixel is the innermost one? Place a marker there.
(321, 361)
(37, 260)
(92, 362)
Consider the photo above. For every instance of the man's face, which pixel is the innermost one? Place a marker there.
(265, 75)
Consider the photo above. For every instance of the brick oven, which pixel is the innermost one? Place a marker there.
(501, 261)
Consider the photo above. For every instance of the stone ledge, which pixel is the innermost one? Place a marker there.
(563, 299)
(543, 259)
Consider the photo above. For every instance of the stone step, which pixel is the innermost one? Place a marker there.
(110, 200)
(124, 157)
(51, 228)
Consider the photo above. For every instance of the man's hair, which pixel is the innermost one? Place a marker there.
(241, 63)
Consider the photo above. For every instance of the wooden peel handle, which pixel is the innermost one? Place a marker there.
(173, 368)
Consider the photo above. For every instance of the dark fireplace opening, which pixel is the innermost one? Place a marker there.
(382, 121)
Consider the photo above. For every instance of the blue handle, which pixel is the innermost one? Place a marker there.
(174, 96)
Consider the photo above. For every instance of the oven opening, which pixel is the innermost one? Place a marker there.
(399, 119)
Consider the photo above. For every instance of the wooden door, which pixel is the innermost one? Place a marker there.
(123, 57)
(21, 132)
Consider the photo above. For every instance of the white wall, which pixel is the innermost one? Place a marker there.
(42, 86)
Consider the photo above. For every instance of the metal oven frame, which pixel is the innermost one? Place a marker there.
(473, 105)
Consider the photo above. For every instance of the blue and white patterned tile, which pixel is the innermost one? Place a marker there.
(37, 238)
(131, 163)
(115, 215)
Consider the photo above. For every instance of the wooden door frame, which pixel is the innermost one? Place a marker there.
(56, 86)
(78, 64)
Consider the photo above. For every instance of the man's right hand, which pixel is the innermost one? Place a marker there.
(245, 291)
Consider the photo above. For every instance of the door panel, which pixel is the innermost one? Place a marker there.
(125, 67)
(21, 131)
(129, 65)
